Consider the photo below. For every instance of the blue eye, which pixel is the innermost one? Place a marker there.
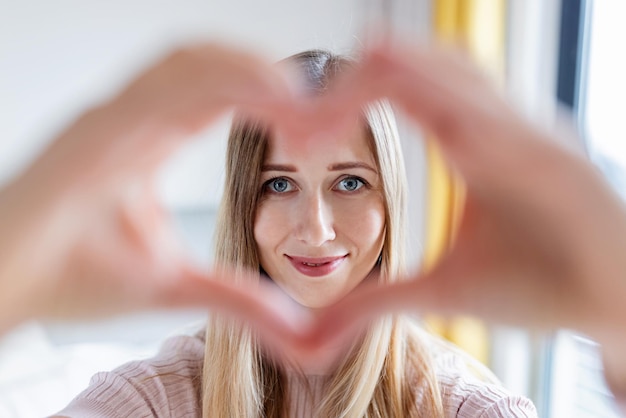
(278, 185)
(350, 184)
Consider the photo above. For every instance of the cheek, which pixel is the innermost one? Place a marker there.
(365, 223)
(374, 227)
(268, 227)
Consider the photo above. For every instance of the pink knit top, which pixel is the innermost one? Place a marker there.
(168, 385)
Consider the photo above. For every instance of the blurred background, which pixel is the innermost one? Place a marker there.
(58, 58)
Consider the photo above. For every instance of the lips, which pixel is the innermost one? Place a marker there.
(316, 267)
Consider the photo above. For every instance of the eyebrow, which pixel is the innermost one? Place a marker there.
(349, 165)
(332, 167)
(278, 167)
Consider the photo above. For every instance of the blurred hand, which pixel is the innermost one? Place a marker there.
(83, 234)
(542, 237)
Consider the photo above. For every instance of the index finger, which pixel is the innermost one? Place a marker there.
(441, 91)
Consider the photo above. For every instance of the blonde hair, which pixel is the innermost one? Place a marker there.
(386, 374)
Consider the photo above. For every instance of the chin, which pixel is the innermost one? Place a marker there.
(313, 305)
(316, 303)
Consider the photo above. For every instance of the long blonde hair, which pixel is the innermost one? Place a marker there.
(388, 373)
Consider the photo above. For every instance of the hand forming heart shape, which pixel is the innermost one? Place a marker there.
(88, 237)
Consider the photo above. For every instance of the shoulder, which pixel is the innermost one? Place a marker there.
(147, 388)
(468, 397)
(468, 388)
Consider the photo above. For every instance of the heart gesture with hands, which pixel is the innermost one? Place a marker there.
(540, 242)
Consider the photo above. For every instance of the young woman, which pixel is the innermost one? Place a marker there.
(316, 218)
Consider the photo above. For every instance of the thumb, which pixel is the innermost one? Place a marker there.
(277, 318)
(351, 315)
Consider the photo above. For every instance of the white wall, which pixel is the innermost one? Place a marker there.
(56, 57)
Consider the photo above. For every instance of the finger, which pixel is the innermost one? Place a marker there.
(443, 93)
(277, 318)
(435, 86)
(168, 104)
(236, 77)
(415, 296)
(346, 319)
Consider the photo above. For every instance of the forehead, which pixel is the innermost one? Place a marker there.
(352, 144)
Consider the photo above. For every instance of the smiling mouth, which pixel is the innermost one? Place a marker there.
(316, 267)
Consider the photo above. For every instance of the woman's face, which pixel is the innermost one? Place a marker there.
(320, 223)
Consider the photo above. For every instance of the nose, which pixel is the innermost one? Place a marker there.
(315, 221)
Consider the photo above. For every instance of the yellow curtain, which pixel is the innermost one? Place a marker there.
(479, 27)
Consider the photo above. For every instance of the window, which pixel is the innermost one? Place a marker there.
(591, 82)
